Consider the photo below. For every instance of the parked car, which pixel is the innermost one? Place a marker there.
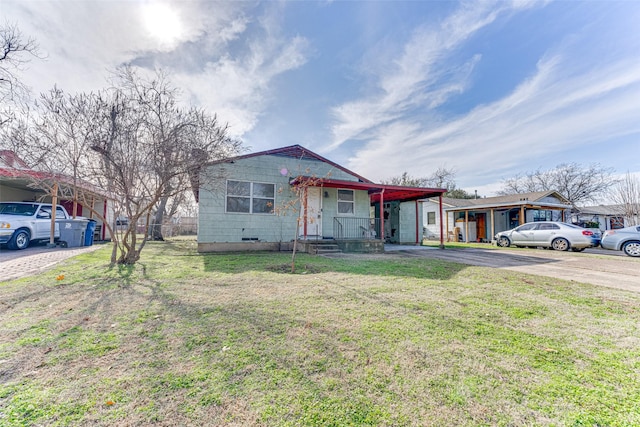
(625, 239)
(548, 234)
(24, 222)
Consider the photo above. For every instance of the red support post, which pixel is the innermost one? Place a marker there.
(441, 220)
(382, 214)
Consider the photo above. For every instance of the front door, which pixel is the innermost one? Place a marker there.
(481, 227)
(310, 223)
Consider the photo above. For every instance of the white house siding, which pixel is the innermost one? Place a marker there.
(11, 194)
(408, 222)
(217, 226)
(432, 231)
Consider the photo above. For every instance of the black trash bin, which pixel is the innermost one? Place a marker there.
(88, 235)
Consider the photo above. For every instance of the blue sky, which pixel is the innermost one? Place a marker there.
(489, 89)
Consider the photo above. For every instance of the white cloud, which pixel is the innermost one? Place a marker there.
(224, 54)
(416, 76)
(565, 104)
(546, 114)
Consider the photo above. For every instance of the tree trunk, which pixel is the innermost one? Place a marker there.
(155, 232)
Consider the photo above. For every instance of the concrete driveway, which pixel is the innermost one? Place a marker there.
(595, 266)
(35, 259)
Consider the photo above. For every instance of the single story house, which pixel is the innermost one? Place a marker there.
(606, 217)
(18, 184)
(478, 220)
(268, 199)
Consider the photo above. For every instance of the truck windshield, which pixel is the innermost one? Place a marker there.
(24, 209)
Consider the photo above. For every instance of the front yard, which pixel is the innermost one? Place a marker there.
(235, 339)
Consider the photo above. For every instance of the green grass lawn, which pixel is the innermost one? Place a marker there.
(235, 339)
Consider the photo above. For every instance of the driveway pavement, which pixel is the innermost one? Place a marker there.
(35, 259)
(595, 266)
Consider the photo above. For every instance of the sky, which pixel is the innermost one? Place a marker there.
(488, 89)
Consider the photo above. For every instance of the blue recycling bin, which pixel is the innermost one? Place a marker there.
(88, 236)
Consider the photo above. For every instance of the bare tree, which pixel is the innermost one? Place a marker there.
(406, 180)
(579, 184)
(132, 141)
(297, 204)
(55, 138)
(14, 54)
(626, 194)
(150, 149)
(442, 177)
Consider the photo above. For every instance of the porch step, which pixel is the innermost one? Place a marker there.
(323, 248)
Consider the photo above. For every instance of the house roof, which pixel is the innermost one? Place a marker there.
(508, 200)
(9, 159)
(297, 152)
(389, 193)
(601, 210)
(15, 172)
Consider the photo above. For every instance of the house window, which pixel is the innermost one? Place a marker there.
(346, 202)
(542, 215)
(616, 222)
(431, 218)
(250, 197)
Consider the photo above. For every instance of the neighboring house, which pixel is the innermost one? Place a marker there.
(17, 181)
(605, 217)
(478, 220)
(250, 202)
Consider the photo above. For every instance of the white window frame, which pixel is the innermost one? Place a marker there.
(251, 197)
(352, 202)
(431, 218)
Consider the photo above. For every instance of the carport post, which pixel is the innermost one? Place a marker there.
(382, 215)
(440, 207)
(54, 204)
(493, 231)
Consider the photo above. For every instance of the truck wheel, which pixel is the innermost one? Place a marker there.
(20, 240)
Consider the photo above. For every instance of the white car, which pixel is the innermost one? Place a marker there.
(548, 234)
(24, 222)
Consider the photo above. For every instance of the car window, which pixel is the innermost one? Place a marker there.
(26, 209)
(527, 227)
(549, 227)
(571, 226)
(44, 212)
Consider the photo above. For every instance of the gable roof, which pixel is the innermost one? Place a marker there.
(9, 159)
(602, 210)
(508, 200)
(16, 173)
(297, 152)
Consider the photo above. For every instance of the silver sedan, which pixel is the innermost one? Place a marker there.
(626, 240)
(556, 235)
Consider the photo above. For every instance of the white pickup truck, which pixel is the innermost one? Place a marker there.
(24, 222)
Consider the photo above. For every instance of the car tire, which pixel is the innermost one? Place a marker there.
(560, 244)
(577, 249)
(504, 242)
(632, 248)
(20, 240)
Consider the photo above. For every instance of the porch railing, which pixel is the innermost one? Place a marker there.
(350, 228)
